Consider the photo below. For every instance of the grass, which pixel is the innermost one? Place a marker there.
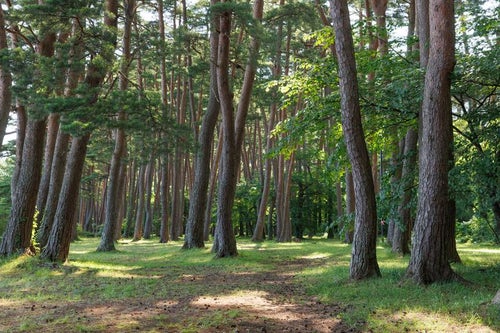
(143, 276)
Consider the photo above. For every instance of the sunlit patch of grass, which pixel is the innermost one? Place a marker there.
(163, 272)
(371, 303)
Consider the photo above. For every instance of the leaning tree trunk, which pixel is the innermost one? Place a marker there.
(57, 175)
(194, 237)
(17, 236)
(364, 259)
(429, 259)
(57, 248)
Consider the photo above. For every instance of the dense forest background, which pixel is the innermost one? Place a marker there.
(210, 120)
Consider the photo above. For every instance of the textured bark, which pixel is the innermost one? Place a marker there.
(194, 237)
(57, 248)
(50, 143)
(364, 259)
(17, 236)
(57, 174)
(5, 82)
(401, 239)
(429, 260)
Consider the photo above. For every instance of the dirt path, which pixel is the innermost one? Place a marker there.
(269, 301)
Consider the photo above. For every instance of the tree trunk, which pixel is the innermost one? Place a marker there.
(234, 130)
(139, 217)
(43, 189)
(429, 259)
(120, 149)
(364, 259)
(258, 234)
(401, 238)
(57, 174)
(194, 237)
(164, 237)
(148, 209)
(224, 244)
(5, 82)
(57, 248)
(350, 208)
(17, 236)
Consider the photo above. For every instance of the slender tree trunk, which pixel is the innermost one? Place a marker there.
(350, 203)
(234, 130)
(364, 259)
(139, 217)
(194, 237)
(164, 237)
(258, 234)
(429, 259)
(401, 238)
(148, 218)
(120, 149)
(224, 244)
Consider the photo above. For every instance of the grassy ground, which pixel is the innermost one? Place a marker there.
(150, 287)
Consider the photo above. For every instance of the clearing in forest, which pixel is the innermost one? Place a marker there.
(297, 287)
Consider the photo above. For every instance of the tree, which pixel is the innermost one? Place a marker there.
(194, 237)
(429, 259)
(114, 182)
(233, 129)
(17, 236)
(364, 259)
(57, 248)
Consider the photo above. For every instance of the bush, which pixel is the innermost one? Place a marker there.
(476, 230)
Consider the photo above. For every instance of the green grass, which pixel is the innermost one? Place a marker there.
(390, 304)
(139, 274)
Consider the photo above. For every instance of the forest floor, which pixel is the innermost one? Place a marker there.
(142, 288)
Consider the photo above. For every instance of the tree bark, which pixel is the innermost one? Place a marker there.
(17, 236)
(57, 248)
(364, 259)
(194, 237)
(429, 259)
